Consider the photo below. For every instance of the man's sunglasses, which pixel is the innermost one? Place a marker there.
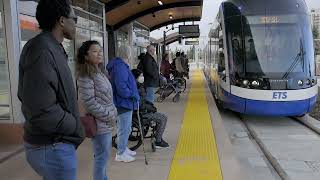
(74, 18)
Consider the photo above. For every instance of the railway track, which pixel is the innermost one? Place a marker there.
(272, 160)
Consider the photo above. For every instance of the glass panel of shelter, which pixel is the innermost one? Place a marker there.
(89, 26)
(4, 71)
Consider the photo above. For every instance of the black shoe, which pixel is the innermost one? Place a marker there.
(162, 144)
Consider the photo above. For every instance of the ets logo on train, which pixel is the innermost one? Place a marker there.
(280, 95)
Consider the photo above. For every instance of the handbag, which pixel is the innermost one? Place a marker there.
(90, 125)
(88, 121)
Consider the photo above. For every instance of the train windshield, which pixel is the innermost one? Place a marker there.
(272, 46)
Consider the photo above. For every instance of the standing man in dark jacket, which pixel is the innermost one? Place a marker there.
(150, 70)
(52, 130)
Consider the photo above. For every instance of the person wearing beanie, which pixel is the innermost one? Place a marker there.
(149, 111)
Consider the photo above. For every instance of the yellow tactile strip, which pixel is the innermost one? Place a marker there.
(196, 156)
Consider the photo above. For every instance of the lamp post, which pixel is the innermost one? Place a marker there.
(165, 39)
(164, 43)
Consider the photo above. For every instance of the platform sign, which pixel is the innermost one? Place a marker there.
(191, 42)
(189, 29)
(191, 35)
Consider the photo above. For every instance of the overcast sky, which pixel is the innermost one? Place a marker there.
(209, 12)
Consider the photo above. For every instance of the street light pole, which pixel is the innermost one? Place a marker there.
(164, 43)
(165, 39)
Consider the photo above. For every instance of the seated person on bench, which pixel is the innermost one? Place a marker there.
(149, 111)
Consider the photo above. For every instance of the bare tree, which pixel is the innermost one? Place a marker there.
(315, 32)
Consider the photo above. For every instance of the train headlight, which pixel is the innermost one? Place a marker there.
(308, 82)
(255, 83)
(300, 83)
(245, 82)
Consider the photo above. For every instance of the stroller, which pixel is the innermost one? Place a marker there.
(169, 86)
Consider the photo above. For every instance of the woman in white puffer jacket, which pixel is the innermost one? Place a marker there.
(95, 92)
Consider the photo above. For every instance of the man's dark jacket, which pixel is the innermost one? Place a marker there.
(150, 70)
(47, 93)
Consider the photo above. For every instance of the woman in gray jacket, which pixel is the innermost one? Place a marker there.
(95, 92)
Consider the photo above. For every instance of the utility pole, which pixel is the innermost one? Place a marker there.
(164, 43)
(165, 39)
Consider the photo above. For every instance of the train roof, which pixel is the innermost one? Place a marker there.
(264, 7)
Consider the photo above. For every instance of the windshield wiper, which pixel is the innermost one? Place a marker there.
(300, 56)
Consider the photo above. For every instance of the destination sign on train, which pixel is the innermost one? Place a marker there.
(272, 19)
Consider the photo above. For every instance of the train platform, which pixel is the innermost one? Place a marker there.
(199, 146)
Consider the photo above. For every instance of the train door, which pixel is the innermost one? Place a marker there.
(223, 71)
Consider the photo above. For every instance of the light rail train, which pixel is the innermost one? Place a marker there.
(259, 58)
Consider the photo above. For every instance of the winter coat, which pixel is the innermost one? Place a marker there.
(47, 93)
(150, 70)
(165, 69)
(179, 65)
(125, 92)
(96, 95)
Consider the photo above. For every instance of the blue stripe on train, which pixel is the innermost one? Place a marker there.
(267, 108)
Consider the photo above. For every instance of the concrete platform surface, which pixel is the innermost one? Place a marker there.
(17, 168)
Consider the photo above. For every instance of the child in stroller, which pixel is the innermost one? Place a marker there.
(169, 86)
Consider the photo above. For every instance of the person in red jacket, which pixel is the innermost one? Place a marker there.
(165, 68)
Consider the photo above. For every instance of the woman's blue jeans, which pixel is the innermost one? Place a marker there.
(150, 94)
(124, 130)
(101, 148)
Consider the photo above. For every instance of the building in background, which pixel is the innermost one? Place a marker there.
(315, 19)
(141, 39)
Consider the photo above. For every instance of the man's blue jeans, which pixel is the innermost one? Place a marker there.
(53, 162)
(124, 130)
(101, 148)
(150, 94)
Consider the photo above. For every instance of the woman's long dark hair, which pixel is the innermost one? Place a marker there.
(84, 68)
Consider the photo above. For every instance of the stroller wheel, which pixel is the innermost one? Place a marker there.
(182, 84)
(185, 85)
(176, 97)
(160, 99)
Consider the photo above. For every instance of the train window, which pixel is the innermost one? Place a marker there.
(221, 61)
(235, 47)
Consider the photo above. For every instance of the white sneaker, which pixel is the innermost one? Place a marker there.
(129, 152)
(124, 158)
